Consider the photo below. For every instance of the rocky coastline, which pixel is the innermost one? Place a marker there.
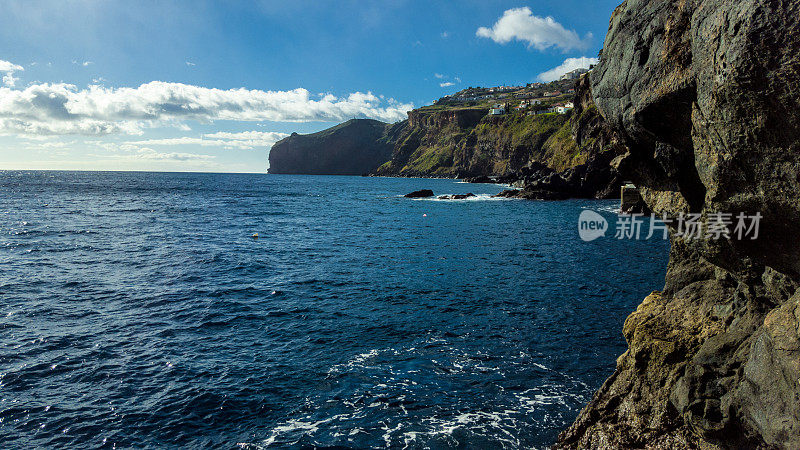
(550, 156)
(696, 102)
(706, 95)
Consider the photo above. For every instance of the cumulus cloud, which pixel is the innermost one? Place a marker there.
(8, 69)
(59, 108)
(446, 77)
(539, 32)
(244, 140)
(247, 135)
(6, 66)
(568, 65)
(133, 152)
(151, 155)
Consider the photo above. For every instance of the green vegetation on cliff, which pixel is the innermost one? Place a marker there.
(451, 139)
(461, 141)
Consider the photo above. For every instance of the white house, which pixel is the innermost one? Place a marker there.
(563, 109)
(498, 110)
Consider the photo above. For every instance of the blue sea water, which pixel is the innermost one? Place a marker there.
(136, 311)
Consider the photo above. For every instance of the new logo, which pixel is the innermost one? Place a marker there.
(591, 225)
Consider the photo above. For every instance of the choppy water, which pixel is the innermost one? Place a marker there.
(137, 311)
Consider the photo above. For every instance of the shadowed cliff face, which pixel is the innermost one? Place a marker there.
(354, 147)
(706, 95)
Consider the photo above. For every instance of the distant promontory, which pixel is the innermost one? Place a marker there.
(355, 147)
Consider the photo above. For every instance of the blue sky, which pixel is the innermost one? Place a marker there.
(208, 86)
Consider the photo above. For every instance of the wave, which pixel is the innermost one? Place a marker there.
(384, 395)
(476, 198)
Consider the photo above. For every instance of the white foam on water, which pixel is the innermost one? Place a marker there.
(297, 425)
(476, 198)
(384, 382)
(605, 208)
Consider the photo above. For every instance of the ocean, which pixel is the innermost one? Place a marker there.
(137, 311)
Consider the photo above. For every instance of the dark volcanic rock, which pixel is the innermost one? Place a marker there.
(456, 196)
(423, 193)
(707, 95)
(507, 178)
(355, 147)
(508, 193)
(595, 178)
(479, 179)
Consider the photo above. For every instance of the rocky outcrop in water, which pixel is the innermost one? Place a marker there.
(707, 97)
(355, 147)
(422, 193)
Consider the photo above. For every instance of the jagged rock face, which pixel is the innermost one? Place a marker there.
(462, 118)
(589, 175)
(354, 147)
(466, 142)
(520, 149)
(707, 97)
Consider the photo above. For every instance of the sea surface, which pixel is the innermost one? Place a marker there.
(137, 311)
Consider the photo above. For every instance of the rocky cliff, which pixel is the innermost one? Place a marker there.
(551, 155)
(705, 95)
(575, 162)
(462, 142)
(354, 147)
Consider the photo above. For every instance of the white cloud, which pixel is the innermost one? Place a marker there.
(190, 63)
(152, 155)
(539, 32)
(9, 69)
(6, 66)
(53, 144)
(447, 83)
(568, 65)
(247, 135)
(131, 152)
(59, 108)
(244, 140)
(9, 80)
